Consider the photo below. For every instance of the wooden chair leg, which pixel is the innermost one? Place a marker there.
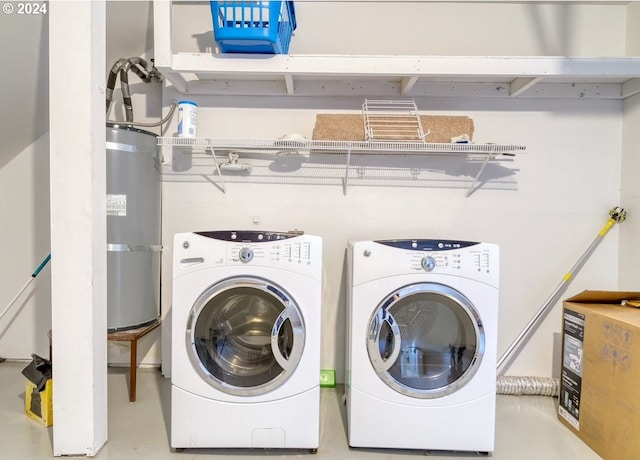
(132, 370)
(132, 337)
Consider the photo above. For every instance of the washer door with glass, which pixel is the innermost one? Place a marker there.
(245, 336)
(425, 340)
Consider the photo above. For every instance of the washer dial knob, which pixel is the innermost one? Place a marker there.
(428, 263)
(246, 255)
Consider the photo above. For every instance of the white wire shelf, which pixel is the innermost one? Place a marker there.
(386, 147)
(392, 120)
(414, 164)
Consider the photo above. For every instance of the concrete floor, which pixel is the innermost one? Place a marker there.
(526, 429)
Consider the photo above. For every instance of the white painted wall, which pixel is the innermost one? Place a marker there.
(633, 31)
(24, 186)
(566, 184)
(629, 244)
(25, 87)
(433, 28)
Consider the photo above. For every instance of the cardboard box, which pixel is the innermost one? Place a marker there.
(600, 382)
(38, 393)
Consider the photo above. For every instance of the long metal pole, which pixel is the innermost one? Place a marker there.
(616, 215)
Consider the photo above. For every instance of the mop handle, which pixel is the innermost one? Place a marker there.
(610, 223)
(33, 275)
(41, 266)
(617, 215)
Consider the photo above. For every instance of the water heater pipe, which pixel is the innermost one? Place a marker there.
(172, 109)
(616, 215)
(122, 68)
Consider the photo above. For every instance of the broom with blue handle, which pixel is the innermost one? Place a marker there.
(17, 296)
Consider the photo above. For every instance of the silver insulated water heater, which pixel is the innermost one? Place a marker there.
(133, 228)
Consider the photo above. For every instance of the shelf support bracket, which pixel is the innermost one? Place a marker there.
(407, 84)
(630, 88)
(490, 156)
(346, 172)
(288, 82)
(520, 85)
(210, 149)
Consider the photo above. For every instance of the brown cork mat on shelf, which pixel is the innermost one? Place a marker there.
(330, 127)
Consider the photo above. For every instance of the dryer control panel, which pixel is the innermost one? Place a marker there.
(443, 257)
(478, 259)
(428, 245)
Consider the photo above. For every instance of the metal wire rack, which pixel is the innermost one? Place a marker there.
(271, 145)
(392, 120)
(345, 161)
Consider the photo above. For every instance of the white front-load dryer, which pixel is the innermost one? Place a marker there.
(421, 344)
(246, 318)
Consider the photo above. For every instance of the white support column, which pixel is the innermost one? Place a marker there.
(78, 225)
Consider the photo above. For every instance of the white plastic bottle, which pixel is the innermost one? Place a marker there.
(187, 118)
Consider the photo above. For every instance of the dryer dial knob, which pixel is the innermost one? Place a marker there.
(246, 255)
(428, 263)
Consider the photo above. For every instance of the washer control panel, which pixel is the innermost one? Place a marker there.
(250, 236)
(297, 251)
(248, 246)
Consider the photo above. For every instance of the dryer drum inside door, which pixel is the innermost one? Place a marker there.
(425, 340)
(245, 336)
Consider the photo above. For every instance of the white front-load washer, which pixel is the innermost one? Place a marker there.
(421, 344)
(246, 318)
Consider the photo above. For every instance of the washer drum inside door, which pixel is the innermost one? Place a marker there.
(425, 340)
(245, 336)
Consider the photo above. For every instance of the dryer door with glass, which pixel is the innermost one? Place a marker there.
(425, 340)
(245, 336)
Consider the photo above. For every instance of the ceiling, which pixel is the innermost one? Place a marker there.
(24, 74)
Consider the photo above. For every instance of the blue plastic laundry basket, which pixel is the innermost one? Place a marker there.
(263, 27)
